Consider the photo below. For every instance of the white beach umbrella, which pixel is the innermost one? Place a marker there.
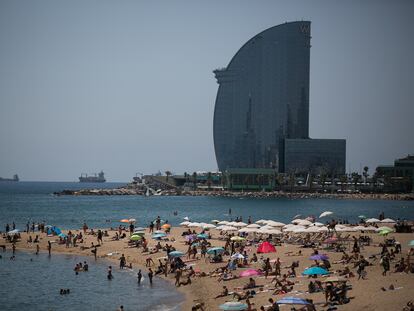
(304, 222)
(223, 222)
(193, 224)
(186, 218)
(296, 221)
(261, 221)
(360, 228)
(275, 223)
(288, 226)
(297, 216)
(312, 229)
(318, 224)
(324, 214)
(323, 229)
(240, 224)
(267, 227)
(388, 221)
(208, 226)
(293, 228)
(229, 228)
(231, 223)
(371, 228)
(273, 231)
(247, 230)
(215, 221)
(345, 229)
(372, 220)
(253, 226)
(299, 230)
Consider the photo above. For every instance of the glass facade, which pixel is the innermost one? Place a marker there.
(318, 156)
(263, 97)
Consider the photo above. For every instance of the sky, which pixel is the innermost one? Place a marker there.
(127, 86)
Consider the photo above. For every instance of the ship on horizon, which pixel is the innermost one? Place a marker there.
(95, 178)
(15, 178)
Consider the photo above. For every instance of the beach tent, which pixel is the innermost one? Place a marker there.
(233, 305)
(315, 271)
(292, 301)
(266, 247)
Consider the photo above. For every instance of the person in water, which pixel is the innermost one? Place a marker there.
(150, 275)
(110, 276)
(139, 274)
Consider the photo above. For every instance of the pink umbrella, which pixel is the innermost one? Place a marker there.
(250, 272)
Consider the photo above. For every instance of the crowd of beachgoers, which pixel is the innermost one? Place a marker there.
(308, 264)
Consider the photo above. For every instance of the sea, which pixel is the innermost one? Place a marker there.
(33, 282)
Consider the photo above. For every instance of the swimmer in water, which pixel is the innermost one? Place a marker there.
(139, 274)
(110, 276)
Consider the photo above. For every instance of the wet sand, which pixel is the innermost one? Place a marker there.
(366, 294)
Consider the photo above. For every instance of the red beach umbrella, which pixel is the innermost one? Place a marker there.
(266, 247)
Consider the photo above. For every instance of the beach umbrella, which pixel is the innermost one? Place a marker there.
(237, 238)
(240, 224)
(175, 254)
(315, 271)
(185, 223)
(275, 223)
(11, 232)
(250, 272)
(319, 257)
(159, 231)
(312, 229)
(215, 221)
(411, 243)
(388, 221)
(229, 228)
(62, 235)
(158, 235)
(208, 226)
(360, 228)
(237, 256)
(297, 216)
(261, 221)
(372, 220)
(384, 232)
(140, 233)
(323, 229)
(324, 214)
(132, 220)
(303, 222)
(190, 237)
(186, 218)
(135, 237)
(385, 228)
(233, 306)
(266, 247)
(139, 229)
(161, 221)
(217, 250)
(362, 216)
(318, 224)
(202, 236)
(166, 226)
(223, 222)
(124, 220)
(272, 231)
(371, 228)
(248, 230)
(292, 301)
(193, 224)
(253, 226)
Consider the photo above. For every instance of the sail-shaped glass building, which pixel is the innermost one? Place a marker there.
(263, 98)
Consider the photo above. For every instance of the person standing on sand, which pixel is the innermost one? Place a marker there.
(122, 262)
(14, 248)
(150, 275)
(49, 247)
(385, 263)
(139, 275)
(37, 249)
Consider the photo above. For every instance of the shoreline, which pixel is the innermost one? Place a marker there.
(204, 289)
(128, 191)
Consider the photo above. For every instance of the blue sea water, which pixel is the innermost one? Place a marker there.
(34, 201)
(33, 282)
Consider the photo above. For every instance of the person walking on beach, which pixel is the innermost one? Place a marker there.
(100, 237)
(122, 262)
(362, 263)
(37, 249)
(385, 263)
(94, 251)
(139, 275)
(49, 247)
(150, 275)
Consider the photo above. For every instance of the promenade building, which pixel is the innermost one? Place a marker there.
(261, 116)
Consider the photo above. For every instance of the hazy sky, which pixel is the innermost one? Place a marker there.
(127, 86)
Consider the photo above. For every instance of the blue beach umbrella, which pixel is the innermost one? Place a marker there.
(158, 235)
(411, 243)
(315, 271)
(292, 301)
(202, 236)
(62, 235)
(233, 305)
(176, 254)
(213, 250)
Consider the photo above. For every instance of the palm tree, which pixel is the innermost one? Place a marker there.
(355, 178)
(344, 180)
(365, 173)
(292, 181)
(209, 180)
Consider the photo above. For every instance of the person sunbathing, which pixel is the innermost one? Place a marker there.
(250, 284)
(224, 293)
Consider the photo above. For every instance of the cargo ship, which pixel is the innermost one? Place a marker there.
(15, 178)
(95, 178)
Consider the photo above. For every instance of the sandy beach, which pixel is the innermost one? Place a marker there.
(366, 294)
